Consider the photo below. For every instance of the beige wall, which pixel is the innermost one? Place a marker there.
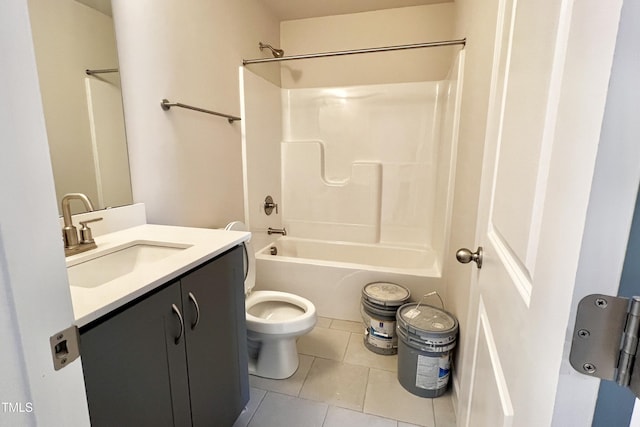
(186, 166)
(70, 37)
(363, 30)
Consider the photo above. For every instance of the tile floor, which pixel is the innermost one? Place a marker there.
(340, 383)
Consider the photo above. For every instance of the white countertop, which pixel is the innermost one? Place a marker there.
(201, 245)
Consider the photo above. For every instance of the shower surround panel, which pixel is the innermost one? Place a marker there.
(360, 163)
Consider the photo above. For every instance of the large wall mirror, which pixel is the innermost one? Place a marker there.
(83, 112)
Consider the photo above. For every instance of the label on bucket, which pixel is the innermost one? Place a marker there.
(381, 328)
(381, 334)
(381, 342)
(412, 314)
(432, 373)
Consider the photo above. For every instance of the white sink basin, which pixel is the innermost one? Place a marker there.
(124, 260)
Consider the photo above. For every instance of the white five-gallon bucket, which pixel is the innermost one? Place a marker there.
(380, 301)
(426, 337)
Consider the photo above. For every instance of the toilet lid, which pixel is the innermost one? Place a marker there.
(249, 259)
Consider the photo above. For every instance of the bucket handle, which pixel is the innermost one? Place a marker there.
(430, 294)
(425, 296)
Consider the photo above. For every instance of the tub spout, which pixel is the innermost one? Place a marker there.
(282, 231)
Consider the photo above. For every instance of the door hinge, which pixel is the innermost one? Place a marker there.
(65, 347)
(605, 339)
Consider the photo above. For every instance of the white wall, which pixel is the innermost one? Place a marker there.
(388, 27)
(187, 166)
(70, 37)
(360, 162)
(262, 133)
(35, 301)
(447, 152)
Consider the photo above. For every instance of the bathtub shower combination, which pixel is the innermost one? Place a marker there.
(364, 182)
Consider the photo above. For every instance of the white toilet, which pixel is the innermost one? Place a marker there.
(274, 321)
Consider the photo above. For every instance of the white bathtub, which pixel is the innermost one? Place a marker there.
(332, 274)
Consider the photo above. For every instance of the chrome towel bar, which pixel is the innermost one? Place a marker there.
(166, 104)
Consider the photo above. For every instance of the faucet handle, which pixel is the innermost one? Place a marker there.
(269, 205)
(85, 232)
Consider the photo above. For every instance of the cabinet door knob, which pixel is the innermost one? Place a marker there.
(177, 312)
(193, 300)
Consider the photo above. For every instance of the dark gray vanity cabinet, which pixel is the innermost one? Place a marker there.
(216, 338)
(147, 365)
(134, 372)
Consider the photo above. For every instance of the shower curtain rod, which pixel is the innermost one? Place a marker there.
(356, 51)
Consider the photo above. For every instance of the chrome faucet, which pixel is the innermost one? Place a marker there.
(73, 245)
(282, 231)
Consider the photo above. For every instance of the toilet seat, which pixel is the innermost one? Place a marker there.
(292, 325)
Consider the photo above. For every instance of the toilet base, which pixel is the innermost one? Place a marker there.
(277, 359)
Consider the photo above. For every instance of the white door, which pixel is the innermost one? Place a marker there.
(549, 82)
(35, 302)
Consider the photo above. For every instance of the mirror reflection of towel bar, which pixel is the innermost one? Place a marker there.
(102, 71)
(166, 104)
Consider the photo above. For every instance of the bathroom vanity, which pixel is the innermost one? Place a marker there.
(174, 353)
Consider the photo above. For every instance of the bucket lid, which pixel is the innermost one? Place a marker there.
(386, 294)
(426, 318)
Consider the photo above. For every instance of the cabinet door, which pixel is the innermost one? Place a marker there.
(217, 344)
(135, 374)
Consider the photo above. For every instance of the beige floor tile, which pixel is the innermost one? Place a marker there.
(325, 343)
(347, 325)
(363, 381)
(444, 413)
(387, 398)
(340, 417)
(358, 354)
(279, 410)
(256, 396)
(336, 383)
(291, 385)
(323, 322)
